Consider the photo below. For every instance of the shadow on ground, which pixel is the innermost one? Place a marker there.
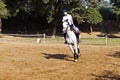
(107, 75)
(116, 54)
(57, 56)
(110, 36)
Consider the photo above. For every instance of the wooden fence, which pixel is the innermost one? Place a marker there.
(43, 38)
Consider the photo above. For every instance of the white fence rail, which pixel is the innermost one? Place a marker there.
(42, 38)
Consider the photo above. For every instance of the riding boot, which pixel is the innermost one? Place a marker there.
(65, 38)
(77, 35)
(75, 55)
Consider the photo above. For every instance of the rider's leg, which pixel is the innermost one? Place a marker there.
(77, 36)
(78, 40)
(76, 31)
(65, 38)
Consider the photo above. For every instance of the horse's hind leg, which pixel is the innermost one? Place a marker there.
(71, 48)
(75, 52)
(78, 48)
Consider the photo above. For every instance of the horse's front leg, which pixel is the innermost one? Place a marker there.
(71, 47)
(75, 48)
(75, 52)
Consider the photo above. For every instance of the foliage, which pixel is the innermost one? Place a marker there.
(3, 10)
(77, 10)
(15, 6)
(93, 16)
(50, 11)
(108, 9)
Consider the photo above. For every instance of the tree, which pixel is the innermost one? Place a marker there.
(77, 9)
(15, 6)
(4, 13)
(93, 17)
(111, 15)
(53, 13)
(116, 10)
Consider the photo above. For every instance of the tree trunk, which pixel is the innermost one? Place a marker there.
(0, 25)
(91, 30)
(54, 32)
(117, 18)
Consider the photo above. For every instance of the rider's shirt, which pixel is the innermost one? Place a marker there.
(67, 18)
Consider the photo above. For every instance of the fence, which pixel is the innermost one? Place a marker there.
(100, 41)
(84, 40)
(42, 38)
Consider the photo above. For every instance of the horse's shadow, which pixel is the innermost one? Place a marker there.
(57, 56)
(107, 75)
(116, 54)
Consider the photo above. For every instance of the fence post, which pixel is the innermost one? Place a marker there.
(106, 40)
(44, 37)
(38, 39)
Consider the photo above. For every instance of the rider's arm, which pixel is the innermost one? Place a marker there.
(70, 21)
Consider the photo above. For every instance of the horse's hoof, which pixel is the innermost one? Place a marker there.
(78, 51)
(79, 54)
(75, 60)
(75, 57)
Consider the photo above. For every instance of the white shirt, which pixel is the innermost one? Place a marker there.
(65, 26)
(69, 18)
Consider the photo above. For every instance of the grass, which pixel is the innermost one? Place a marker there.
(84, 41)
(47, 40)
(100, 41)
(114, 41)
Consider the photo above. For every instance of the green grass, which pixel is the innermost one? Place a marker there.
(47, 40)
(93, 41)
(114, 41)
(84, 41)
(100, 41)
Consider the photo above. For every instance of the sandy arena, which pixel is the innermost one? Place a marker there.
(28, 61)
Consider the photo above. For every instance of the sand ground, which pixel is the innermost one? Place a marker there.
(30, 61)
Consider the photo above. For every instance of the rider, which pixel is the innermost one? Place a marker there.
(68, 18)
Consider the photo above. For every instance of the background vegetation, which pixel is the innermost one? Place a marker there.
(44, 16)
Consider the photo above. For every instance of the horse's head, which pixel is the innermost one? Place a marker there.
(66, 27)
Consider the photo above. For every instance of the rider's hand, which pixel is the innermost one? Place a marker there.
(66, 20)
(71, 25)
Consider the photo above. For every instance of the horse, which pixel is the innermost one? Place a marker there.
(72, 40)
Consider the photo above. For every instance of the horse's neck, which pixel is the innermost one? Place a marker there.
(69, 31)
(68, 28)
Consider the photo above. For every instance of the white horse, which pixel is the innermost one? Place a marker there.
(72, 41)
